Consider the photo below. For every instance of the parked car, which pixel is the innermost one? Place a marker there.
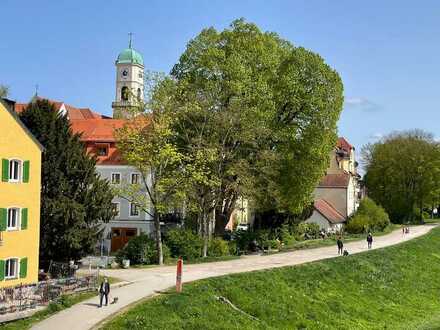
(243, 226)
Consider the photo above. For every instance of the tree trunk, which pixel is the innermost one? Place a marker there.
(158, 237)
(205, 235)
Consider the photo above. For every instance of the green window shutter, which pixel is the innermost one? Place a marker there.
(24, 218)
(5, 170)
(26, 168)
(23, 267)
(3, 219)
(2, 270)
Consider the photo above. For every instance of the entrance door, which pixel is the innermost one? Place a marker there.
(120, 237)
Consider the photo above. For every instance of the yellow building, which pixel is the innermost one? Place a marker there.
(20, 155)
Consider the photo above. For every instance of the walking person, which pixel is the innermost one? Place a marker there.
(340, 245)
(104, 291)
(370, 240)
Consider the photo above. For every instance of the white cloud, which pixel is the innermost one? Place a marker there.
(376, 136)
(360, 103)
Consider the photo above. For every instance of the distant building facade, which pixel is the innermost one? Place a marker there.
(338, 194)
(98, 135)
(20, 188)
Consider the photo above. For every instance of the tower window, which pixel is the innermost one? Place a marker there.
(139, 93)
(124, 93)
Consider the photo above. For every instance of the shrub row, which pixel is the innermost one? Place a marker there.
(177, 243)
(369, 217)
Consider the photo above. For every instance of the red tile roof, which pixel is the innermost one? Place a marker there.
(72, 112)
(328, 211)
(340, 180)
(344, 144)
(97, 130)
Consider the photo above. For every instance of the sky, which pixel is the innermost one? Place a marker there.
(386, 52)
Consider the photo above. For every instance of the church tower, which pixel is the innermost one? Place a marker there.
(129, 81)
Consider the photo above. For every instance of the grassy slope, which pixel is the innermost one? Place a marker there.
(393, 288)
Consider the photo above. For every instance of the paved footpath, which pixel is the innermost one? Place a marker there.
(146, 282)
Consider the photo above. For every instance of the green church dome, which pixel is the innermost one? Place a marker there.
(130, 56)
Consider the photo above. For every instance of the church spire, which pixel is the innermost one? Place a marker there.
(130, 35)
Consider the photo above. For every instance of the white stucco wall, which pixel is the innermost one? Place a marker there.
(351, 197)
(319, 220)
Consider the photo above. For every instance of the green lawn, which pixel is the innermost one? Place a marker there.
(64, 302)
(393, 288)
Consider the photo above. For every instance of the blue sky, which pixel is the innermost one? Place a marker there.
(387, 53)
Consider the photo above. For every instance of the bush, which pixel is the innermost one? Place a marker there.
(184, 243)
(285, 236)
(307, 230)
(359, 224)
(263, 239)
(218, 248)
(141, 250)
(232, 245)
(378, 218)
(370, 216)
(243, 239)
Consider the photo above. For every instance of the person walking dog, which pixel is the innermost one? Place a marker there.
(104, 291)
(370, 240)
(340, 245)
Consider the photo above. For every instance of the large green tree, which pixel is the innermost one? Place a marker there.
(266, 109)
(74, 200)
(147, 142)
(403, 174)
(4, 91)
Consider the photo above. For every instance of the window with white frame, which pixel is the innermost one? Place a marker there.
(13, 218)
(116, 178)
(134, 210)
(117, 209)
(11, 268)
(134, 178)
(14, 170)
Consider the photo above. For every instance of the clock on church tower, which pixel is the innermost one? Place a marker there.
(129, 81)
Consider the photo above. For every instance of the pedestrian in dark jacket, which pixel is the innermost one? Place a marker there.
(370, 240)
(340, 245)
(104, 291)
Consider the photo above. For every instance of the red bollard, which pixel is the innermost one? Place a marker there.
(179, 275)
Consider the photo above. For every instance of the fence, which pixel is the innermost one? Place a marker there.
(25, 297)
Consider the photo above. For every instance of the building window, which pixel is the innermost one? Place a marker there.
(134, 210)
(124, 93)
(11, 268)
(13, 218)
(139, 94)
(14, 170)
(116, 178)
(134, 178)
(117, 209)
(102, 151)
